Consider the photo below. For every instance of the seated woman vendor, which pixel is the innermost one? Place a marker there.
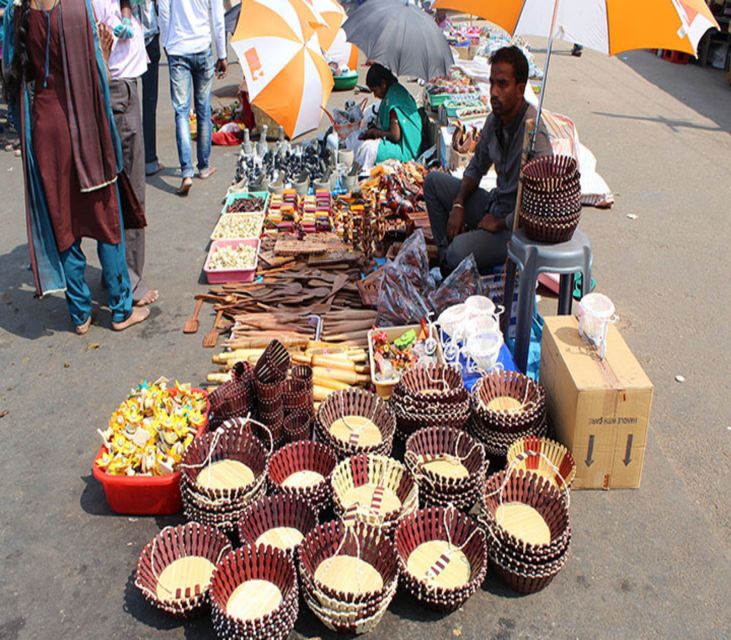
(398, 130)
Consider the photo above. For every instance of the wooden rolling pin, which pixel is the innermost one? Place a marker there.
(330, 373)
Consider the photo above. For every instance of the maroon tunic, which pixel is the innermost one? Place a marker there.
(74, 214)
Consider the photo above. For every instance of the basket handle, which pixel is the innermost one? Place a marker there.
(329, 115)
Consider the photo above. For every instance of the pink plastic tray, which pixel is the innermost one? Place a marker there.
(219, 276)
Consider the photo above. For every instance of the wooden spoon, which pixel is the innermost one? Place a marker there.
(192, 324)
(211, 338)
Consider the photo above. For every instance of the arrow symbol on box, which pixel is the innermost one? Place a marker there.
(589, 452)
(628, 450)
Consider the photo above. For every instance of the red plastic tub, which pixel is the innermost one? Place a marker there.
(143, 495)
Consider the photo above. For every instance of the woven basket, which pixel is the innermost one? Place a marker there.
(450, 562)
(526, 488)
(288, 472)
(549, 173)
(254, 594)
(339, 406)
(281, 521)
(542, 229)
(545, 457)
(375, 490)
(349, 575)
(449, 466)
(508, 401)
(273, 364)
(436, 383)
(175, 568)
(234, 398)
(298, 426)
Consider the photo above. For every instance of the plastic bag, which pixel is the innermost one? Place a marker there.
(463, 282)
(406, 284)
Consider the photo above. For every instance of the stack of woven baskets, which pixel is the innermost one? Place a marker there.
(374, 490)
(222, 473)
(430, 396)
(506, 406)
(449, 466)
(354, 421)
(349, 575)
(270, 376)
(529, 531)
(254, 594)
(551, 198)
(443, 557)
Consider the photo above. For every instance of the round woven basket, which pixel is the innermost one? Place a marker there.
(527, 522)
(354, 421)
(443, 557)
(235, 445)
(375, 490)
(497, 443)
(449, 466)
(234, 398)
(174, 569)
(303, 469)
(254, 594)
(298, 425)
(281, 521)
(545, 457)
(548, 230)
(550, 173)
(349, 575)
(508, 401)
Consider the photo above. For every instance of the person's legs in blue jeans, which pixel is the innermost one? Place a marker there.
(181, 82)
(78, 296)
(116, 279)
(114, 274)
(202, 80)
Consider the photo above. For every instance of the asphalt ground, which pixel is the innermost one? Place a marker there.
(651, 563)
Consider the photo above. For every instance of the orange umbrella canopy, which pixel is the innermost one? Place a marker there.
(286, 74)
(609, 26)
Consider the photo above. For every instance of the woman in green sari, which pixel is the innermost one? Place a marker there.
(398, 129)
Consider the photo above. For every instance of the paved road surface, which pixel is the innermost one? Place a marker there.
(648, 563)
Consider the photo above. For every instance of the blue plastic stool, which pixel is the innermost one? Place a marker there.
(533, 258)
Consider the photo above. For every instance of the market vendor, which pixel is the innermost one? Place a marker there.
(397, 133)
(464, 218)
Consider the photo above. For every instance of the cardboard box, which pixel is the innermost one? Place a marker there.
(600, 409)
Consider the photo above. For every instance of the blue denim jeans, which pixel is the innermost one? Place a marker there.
(192, 75)
(114, 274)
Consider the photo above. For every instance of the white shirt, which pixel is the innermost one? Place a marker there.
(185, 26)
(129, 56)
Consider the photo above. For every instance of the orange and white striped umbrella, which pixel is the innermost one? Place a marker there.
(333, 16)
(286, 73)
(609, 26)
(342, 52)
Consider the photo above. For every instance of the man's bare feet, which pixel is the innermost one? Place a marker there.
(139, 314)
(81, 329)
(185, 186)
(149, 298)
(206, 173)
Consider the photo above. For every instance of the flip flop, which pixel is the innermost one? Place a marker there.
(184, 187)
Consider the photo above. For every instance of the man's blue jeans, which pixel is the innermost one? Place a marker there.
(191, 75)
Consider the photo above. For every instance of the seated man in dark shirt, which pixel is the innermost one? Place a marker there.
(464, 218)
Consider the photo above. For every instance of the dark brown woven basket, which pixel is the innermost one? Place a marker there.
(435, 443)
(234, 398)
(359, 540)
(459, 530)
(234, 443)
(298, 425)
(255, 563)
(355, 402)
(546, 230)
(537, 492)
(298, 456)
(279, 510)
(171, 544)
(435, 383)
(273, 364)
(548, 173)
(510, 384)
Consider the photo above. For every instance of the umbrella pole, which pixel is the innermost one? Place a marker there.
(554, 20)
